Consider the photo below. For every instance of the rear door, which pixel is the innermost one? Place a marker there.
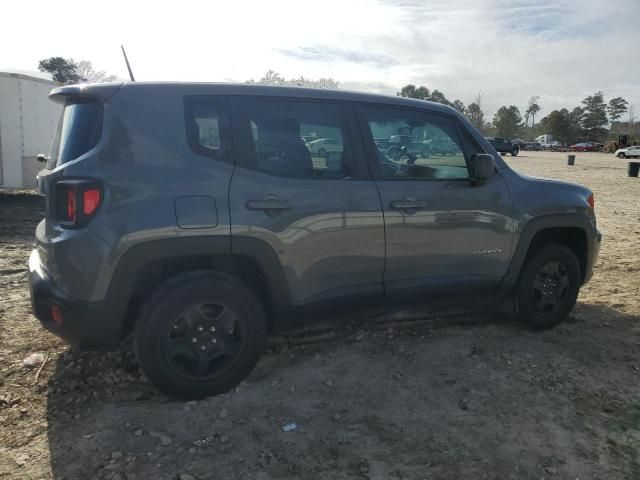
(442, 232)
(320, 215)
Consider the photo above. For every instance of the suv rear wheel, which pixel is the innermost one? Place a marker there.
(199, 334)
(548, 286)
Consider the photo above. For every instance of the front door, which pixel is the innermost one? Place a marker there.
(316, 209)
(442, 232)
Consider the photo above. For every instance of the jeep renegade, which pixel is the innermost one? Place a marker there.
(195, 217)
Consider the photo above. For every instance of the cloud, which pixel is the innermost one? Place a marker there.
(562, 50)
(333, 54)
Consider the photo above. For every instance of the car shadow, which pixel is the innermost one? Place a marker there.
(403, 393)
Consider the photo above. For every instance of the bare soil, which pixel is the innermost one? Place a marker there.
(443, 393)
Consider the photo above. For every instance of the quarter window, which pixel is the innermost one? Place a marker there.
(296, 139)
(416, 145)
(207, 127)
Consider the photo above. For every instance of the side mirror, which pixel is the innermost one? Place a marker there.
(483, 165)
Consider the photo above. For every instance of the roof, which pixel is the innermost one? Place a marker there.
(39, 77)
(189, 88)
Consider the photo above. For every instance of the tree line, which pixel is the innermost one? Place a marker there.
(66, 71)
(587, 121)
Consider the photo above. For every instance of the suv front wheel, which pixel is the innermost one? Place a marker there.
(200, 334)
(548, 286)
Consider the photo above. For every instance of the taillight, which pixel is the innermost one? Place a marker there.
(591, 201)
(76, 202)
(90, 201)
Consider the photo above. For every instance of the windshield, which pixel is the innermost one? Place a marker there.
(79, 130)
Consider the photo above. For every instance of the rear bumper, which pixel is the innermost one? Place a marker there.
(85, 325)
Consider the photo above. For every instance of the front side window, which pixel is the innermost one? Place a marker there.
(416, 145)
(278, 133)
(79, 130)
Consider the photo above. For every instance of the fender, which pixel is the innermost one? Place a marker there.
(544, 222)
(136, 258)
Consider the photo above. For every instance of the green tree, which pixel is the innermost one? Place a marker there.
(558, 124)
(616, 107)
(507, 121)
(475, 115)
(64, 71)
(410, 91)
(594, 117)
(458, 105)
(438, 97)
(575, 124)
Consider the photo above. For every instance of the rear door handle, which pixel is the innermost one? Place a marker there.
(408, 204)
(268, 204)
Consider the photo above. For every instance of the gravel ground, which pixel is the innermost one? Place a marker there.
(444, 392)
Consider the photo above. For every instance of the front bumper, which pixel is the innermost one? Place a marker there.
(593, 257)
(85, 325)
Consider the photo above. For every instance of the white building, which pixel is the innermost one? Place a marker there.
(28, 120)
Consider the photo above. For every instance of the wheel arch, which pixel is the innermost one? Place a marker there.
(145, 266)
(575, 231)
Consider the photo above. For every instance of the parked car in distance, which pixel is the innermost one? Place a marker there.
(504, 145)
(442, 146)
(519, 143)
(580, 147)
(413, 146)
(531, 146)
(202, 223)
(322, 146)
(586, 147)
(628, 152)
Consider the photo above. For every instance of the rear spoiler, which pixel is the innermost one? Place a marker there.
(96, 91)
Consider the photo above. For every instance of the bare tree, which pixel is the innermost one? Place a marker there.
(90, 75)
(532, 109)
(274, 78)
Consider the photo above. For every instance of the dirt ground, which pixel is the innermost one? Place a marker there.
(444, 393)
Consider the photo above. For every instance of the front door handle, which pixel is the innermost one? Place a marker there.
(268, 204)
(408, 204)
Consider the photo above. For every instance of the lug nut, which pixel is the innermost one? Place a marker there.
(194, 340)
(200, 329)
(212, 329)
(214, 340)
(203, 348)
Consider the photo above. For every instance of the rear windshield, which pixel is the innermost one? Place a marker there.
(79, 130)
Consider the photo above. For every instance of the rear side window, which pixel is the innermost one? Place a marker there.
(79, 130)
(207, 126)
(293, 138)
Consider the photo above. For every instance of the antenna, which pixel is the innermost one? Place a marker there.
(127, 62)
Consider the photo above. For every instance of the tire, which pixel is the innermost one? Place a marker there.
(621, 155)
(514, 152)
(322, 153)
(199, 334)
(548, 286)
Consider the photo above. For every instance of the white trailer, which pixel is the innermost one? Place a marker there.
(28, 120)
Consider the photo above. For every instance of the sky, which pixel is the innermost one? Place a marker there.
(508, 50)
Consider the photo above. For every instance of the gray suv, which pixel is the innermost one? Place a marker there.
(195, 217)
